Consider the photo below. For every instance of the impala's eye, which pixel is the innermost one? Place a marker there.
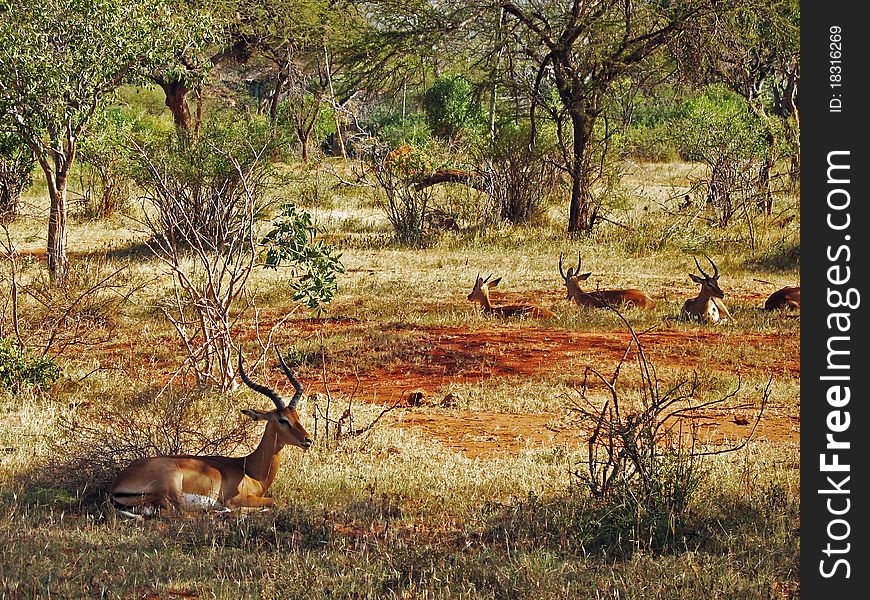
(284, 421)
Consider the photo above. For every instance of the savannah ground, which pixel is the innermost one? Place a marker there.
(473, 492)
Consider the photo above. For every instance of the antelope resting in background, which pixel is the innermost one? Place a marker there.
(200, 483)
(480, 293)
(601, 298)
(708, 306)
(786, 298)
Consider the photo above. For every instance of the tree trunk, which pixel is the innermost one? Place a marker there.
(58, 262)
(766, 174)
(303, 141)
(276, 99)
(176, 100)
(579, 214)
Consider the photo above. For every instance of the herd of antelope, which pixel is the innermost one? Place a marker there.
(223, 483)
(706, 307)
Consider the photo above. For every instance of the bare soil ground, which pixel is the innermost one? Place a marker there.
(456, 355)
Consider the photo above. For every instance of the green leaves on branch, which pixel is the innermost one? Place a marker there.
(292, 242)
(18, 368)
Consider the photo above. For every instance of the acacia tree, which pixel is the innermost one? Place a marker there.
(579, 48)
(59, 61)
(582, 48)
(754, 50)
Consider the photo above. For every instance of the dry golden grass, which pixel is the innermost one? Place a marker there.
(407, 510)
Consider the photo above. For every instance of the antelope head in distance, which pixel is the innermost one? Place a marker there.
(626, 298)
(202, 483)
(480, 294)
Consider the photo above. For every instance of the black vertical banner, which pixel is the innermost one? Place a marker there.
(835, 266)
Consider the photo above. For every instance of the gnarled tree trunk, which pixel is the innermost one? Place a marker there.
(176, 100)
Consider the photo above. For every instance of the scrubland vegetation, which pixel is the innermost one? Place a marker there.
(295, 177)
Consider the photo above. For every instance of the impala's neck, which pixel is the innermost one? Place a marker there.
(262, 464)
(483, 298)
(574, 289)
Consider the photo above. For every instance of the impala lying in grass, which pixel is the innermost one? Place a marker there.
(480, 294)
(601, 298)
(707, 306)
(784, 299)
(201, 483)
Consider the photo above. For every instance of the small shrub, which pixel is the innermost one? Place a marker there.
(719, 131)
(202, 189)
(292, 241)
(522, 174)
(18, 368)
(104, 177)
(407, 207)
(450, 107)
(16, 168)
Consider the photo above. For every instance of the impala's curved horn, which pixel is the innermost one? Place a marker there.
(268, 392)
(561, 272)
(697, 264)
(579, 261)
(488, 277)
(296, 383)
(715, 268)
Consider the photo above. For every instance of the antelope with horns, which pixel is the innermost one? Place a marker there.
(201, 483)
(784, 299)
(480, 293)
(601, 298)
(708, 306)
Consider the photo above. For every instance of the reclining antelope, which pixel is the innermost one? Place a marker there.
(784, 299)
(480, 293)
(201, 483)
(601, 298)
(708, 306)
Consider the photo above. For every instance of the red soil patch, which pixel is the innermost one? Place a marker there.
(460, 355)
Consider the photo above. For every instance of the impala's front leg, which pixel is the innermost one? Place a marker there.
(251, 502)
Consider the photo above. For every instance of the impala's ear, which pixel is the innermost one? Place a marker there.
(257, 415)
(584, 276)
(494, 282)
(696, 279)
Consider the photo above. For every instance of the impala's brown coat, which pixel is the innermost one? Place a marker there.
(786, 298)
(626, 298)
(216, 482)
(480, 294)
(707, 306)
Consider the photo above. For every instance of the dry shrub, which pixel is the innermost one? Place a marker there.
(94, 444)
(645, 461)
(79, 313)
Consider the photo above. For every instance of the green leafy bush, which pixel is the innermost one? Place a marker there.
(395, 129)
(293, 241)
(450, 107)
(17, 368)
(16, 168)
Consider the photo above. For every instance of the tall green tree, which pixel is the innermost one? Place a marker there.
(577, 49)
(754, 49)
(582, 48)
(59, 61)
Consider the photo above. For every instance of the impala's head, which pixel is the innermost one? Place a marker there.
(284, 418)
(480, 292)
(573, 277)
(709, 284)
